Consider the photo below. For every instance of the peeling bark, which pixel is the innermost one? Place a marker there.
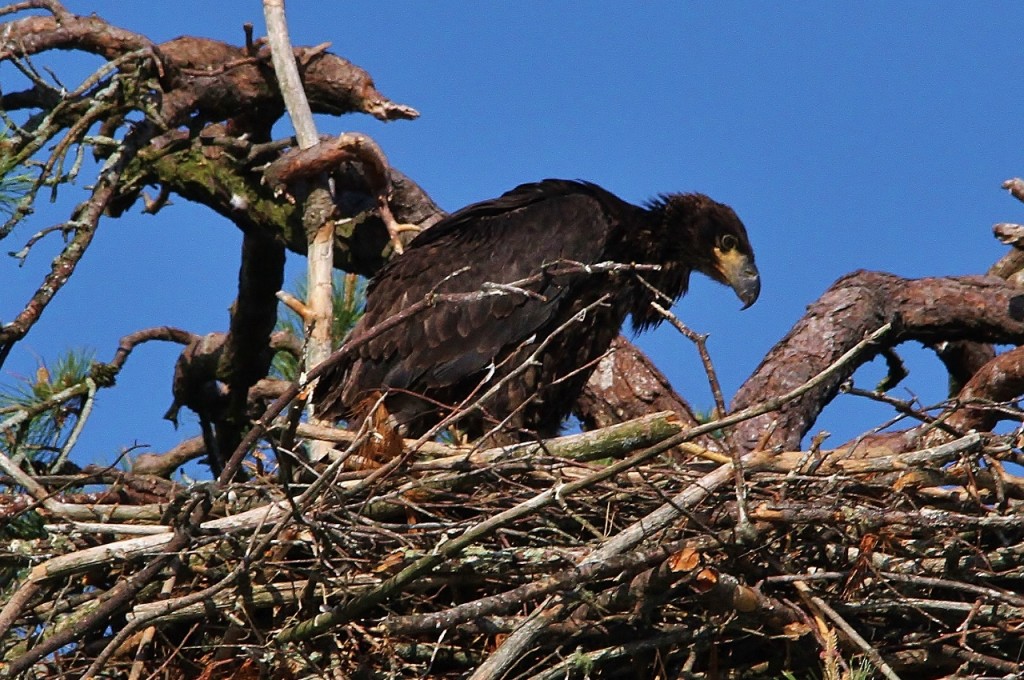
(626, 385)
(982, 309)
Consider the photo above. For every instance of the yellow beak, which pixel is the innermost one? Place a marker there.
(740, 273)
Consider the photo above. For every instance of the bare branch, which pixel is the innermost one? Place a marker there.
(956, 308)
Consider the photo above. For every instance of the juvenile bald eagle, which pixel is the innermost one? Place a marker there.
(454, 352)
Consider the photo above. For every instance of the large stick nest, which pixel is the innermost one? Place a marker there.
(423, 567)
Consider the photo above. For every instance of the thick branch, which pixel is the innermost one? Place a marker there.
(978, 406)
(247, 355)
(32, 35)
(220, 181)
(626, 385)
(983, 309)
(221, 80)
(1000, 380)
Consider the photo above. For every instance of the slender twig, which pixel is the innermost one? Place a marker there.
(743, 526)
(848, 631)
(76, 431)
(118, 597)
(473, 402)
(519, 642)
(354, 342)
(138, 665)
(902, 406)
(701, 341)
(667, 513)
(87, 213)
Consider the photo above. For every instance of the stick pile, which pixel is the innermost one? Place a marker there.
(534, 561)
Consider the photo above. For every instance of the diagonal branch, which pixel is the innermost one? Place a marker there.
(983, 309)
(84, 220)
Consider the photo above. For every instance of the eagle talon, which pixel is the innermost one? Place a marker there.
(395, 230)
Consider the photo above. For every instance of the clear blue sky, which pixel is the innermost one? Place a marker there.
(846, 135)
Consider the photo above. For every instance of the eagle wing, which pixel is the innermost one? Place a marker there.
(501, 241)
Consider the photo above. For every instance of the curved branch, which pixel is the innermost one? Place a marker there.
(67, 31)
(201, 171)
(221, 81)
(978, 406)
(204, 76)
(984, 309)
(1000, 380)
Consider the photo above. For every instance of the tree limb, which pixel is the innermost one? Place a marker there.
(928, 310)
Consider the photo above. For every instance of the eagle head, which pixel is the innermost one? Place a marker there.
(696, 233)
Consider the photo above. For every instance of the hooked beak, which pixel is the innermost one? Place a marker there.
(740, 273)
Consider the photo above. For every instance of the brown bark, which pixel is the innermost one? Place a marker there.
(963, 359)
(1000, 380)
(246, 357)
(982, 309)
(627, 385)
(217, 81)
(66, 31)
(247, 354)
(208, 77)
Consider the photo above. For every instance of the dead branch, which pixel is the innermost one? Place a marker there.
(683, 573)
(927, 310)
(84, 221)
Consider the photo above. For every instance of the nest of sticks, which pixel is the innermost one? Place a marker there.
(626, 552)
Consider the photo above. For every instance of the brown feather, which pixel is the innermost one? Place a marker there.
(451, 351)
(383, 442)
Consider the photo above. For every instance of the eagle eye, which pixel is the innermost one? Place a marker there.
(728, 242)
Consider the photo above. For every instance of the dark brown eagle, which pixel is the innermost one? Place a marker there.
(551, 310)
